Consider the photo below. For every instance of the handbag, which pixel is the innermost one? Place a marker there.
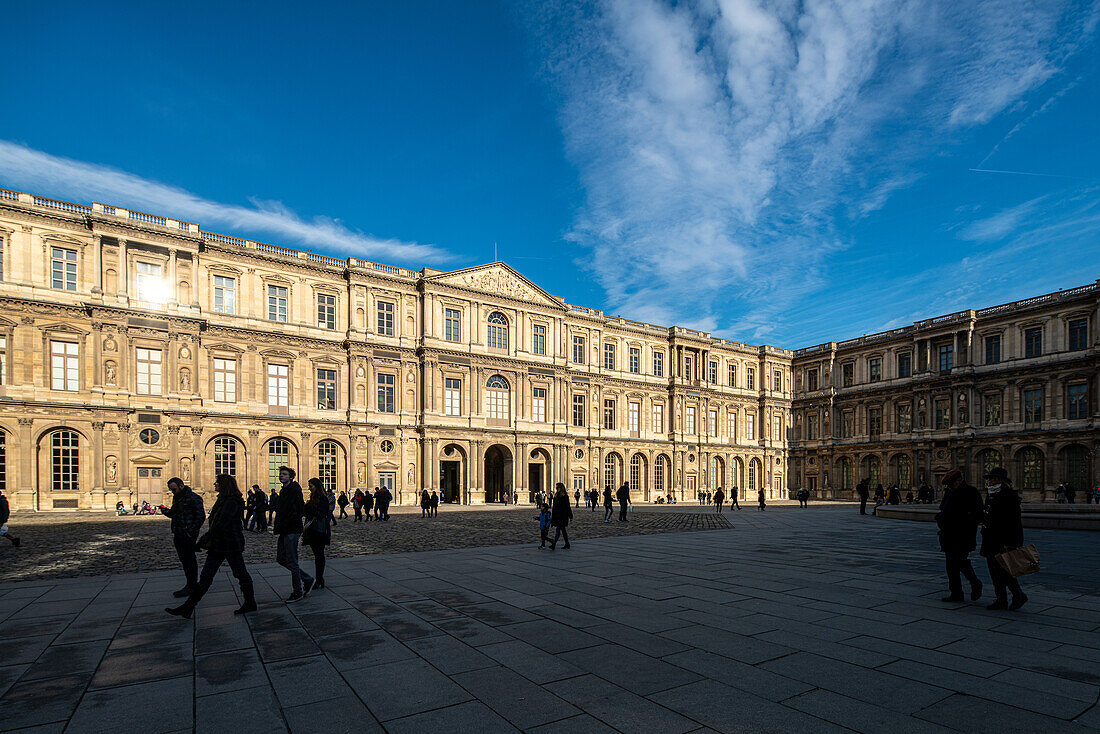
(1019, 561)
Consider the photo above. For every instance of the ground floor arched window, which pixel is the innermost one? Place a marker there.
(1075, 467)
(278, 455)
(611, 473)
(225, 456)
(987, 460)
(65, 460)
(328, 453)
(754, 474)
(3, 461)
(660, 474)
(1031, 469)
(847, 474)
(637, 473)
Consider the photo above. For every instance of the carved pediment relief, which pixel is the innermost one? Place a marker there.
(500, 280)
(61, 238)
(223, 347)
(63, 328)
(278, 354)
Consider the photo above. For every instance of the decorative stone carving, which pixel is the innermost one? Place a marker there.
(185, 470)
(360, 372)
(361, 473)
(109, 345)
(185, 380)
(112, 470)
(110, 372)
(185, 353)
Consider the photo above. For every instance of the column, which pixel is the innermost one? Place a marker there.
(123, 268)
(99, 491)
(27, 498)
(174, 284)
(124, 462)
(97, 263)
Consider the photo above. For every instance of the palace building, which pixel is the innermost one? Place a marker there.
(135, 347)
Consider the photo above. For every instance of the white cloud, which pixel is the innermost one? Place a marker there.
(48, 175)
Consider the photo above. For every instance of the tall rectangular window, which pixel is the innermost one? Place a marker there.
(947, 357)
(3, 373)
(847, 374)
(278, 386)
(452, 396)
(993, 349)
(326, 311)
(276, 303)
(689, 367)
(905, 418)
(64, 366)
(811, 427)
(633, 418)
(750, 426)
(635, 360)
(148, 371)
(811, 380)
(943, 414)
(750, 378)
(326, 389)
(712, 373)
(538, 339)
(225, 294)
(1077, 401)
(658, 418)
(452, 325)
(732, 375)
(609, 356)
(874, 422)
(905, 364)
(578, 410)
(496, 405)
(1033, 406)
(658, 363)
(538, 404)
(385, 318)
(712, 423)
(1078, 334)
(874, 369)
(225, 380)
(385, 393)
(578, 350)
(777, 381)
(1033, 342)
(731, 425)
(63, 268)
(847, 424)
(148, 283)
(689, 419)
(609, 414)
(992, 410)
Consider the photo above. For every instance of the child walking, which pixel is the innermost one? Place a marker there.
(544, 523)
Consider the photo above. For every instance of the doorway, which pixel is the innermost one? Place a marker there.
(534, 481)
(498, 473)
(692, 489)
(149, 487)
(449, 481)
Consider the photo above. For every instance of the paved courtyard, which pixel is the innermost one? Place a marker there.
(791, 621)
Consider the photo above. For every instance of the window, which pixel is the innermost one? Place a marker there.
(496, 399)
(326, 311)
(905, 364)
(385, 311)
(452, 325)
(388, 480)
(278, 386)
(754, 471)
(65, 460)
(847, 424)
(276, 303)
(712, 422)
(874, 369)
(847, 474)
(905, 418)
(636, 470)
(610, 471)
(993, 349)
(326, 389)
(1078, 334)
(1033, 406)
(943, 414)
(847, 372)
(659, 474)
(635, 360)
(712, 373)
(609, 414)
(225, 294)
(385, 393)
(148, 371)
(63, 268)
(578, 483)
(148, 284)
(538, 404)
(1077, 401)
(811, 427)
(1033, 342)
(148, 436)
(947, 357)
(750, 378)
(689, 367)
(731, 425)
(811, 380)
(498, 331)
(3, 462)
(225, 380)
(658, 418)
(658, 363)
(578, 410)
(750, 426)
(3, 361)
(777, 381)
(278, 454)
(327, 454)
(732, 376)
(689, 419)
(225, 456)
(452, 396)
(1031, 460)
(538, 339)
(991, 414)
(633, 419)
(777, 428)
(578, 350)
(874, 422)
(609, 356)
(64, 366)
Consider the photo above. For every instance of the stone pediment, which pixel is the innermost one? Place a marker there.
(499, 280)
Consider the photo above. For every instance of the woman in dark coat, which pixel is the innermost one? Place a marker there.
(1003, 530)
(317, 532)
(958, 519)
(560, 515)
(224, 542)
(425, 503)
(608, 503)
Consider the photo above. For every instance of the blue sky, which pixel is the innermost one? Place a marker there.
(781, 172)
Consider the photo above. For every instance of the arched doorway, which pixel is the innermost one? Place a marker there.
(662, 473)
(452, 473)
(538, 474)
(498, 473)
(847, 479)
(1030, 469)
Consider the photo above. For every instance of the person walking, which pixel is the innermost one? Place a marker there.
(435, 504)
(803, 497)
(719, 500)
(958, 519)
(188, 516)
(863, 492)
(357, 505)
(332, 506)
(623, 495)
(577, 497)
(425, 503)
(224, 543)
(608, 503)
(385, 497)
(595, 499)
(342, 502)
(260, 516)
(544, 525)
(760, 498)
(733, 498)
(250, 508)
(288, 526)
(560, 515)
(272, 507)
(5, 514)
(1002, 530)
(317, 532)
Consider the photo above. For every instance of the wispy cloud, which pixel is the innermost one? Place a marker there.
(722, 143)
(32, 170)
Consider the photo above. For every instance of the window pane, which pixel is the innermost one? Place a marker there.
(385, 393)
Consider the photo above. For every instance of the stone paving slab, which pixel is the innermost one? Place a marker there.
(724, 630)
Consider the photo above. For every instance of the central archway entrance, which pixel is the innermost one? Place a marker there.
(498, 473)
(451, 473)
(538, 474)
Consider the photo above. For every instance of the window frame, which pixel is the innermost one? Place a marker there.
(609, 355)
(326, 382)
(580, 407)
(278, 305)
(1077, 333)
(219, 291)
(496, 331)
(148, 384)
(609, 408)
(70, 268)
(386, 392)
(1033, 342)
(385, 318)
(992, 343)
(579, 354)
(70, 365)
(538, 339)
(280, 381)
(326, 311)
(452, 325)
(222, 382)
(452, 396)
(538, 403)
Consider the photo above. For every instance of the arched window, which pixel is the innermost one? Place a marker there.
(496, 399)
(225, 456)
(1031, 465)
(659, 474)
(1075, 467)
(846, 474)
(903, 471)
(754, 472)
(3, 461)
(611, 471)
(871, 468)
(737, 476)
(278, 454)
(987, 460)
(328, 453)
(498, 331)
(65, 460)
(637, 472)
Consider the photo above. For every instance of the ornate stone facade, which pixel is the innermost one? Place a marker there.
(138, 347)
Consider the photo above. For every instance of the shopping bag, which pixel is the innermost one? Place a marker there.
(1019, 561)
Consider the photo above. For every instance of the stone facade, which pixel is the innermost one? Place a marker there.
(1012, 385)
(138, 347)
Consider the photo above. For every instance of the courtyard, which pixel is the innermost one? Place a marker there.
(787, 620)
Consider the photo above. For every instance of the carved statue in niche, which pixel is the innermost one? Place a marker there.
(360, 372)
(112, 470)
(185, 380)
(185, 470)
(362, 474)
(110, 372)
(185, 353)
(109, 345)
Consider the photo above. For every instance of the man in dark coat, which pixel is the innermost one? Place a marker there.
(560, 515)
(385, 497)
(623, 495)
(958, 519)
(863, 492)
(1003, 530)
(288, 528)
(188, 515)
(5, 513)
